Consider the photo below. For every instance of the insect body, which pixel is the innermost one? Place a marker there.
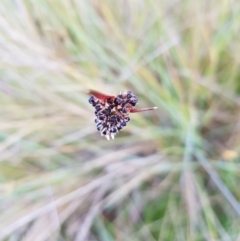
(112, 112)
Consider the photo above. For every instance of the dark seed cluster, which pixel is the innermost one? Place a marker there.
(112, 114)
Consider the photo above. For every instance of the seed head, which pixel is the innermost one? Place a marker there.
(112, 112)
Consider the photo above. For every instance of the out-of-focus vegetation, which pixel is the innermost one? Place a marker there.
(172, 174)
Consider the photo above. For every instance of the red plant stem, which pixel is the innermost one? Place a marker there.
(135, 110)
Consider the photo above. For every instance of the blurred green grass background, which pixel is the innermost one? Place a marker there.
(173, 173)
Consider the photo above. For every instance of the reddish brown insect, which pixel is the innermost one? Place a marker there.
(112, 112)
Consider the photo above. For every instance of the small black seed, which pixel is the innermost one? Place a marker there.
(133, 100)
(124, 110)
(117, 101)
(91, 100)
(123, 123)
(129, 94)
(101, 117)
(98, 107)
(120, 96)
(105, 124)
(107, 111)
(96, 120)
(112, 119)
(132, 103)
(104, 132)
(119, 127)
(127, 119)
